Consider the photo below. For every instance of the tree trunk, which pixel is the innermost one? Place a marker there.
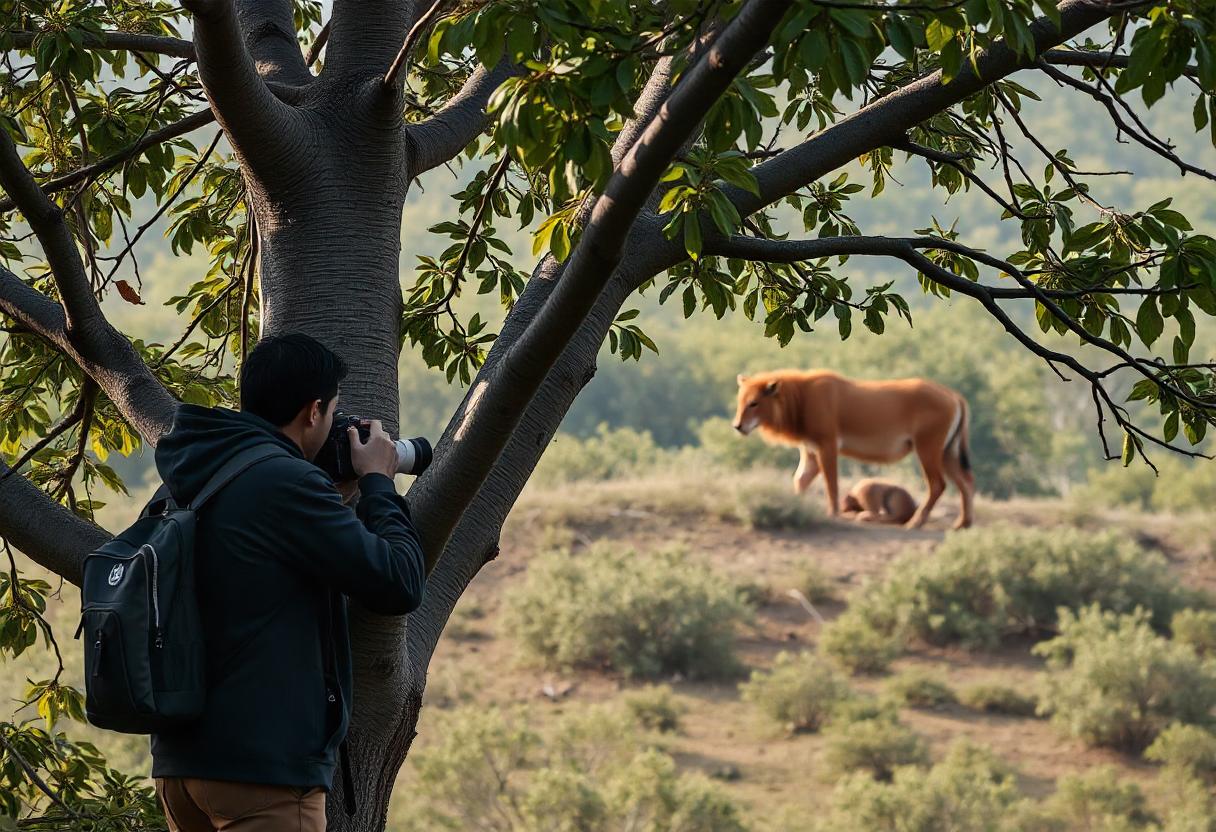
(329, 266)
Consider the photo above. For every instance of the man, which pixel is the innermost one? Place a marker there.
(276, 552)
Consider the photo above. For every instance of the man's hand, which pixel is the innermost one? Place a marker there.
(378, 455)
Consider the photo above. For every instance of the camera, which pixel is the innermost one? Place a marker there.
(413, 455)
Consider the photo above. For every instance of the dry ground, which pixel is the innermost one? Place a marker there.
(766, 770)
(770, 772)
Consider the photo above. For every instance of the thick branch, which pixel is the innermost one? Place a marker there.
(254, 120)
(79, 328)
(46, 221)
(127, 41)
(366, 34)
(885, 121)
(441, 137)
(45, 531)
(493, 408)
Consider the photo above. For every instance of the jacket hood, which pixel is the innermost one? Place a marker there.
(203, 439)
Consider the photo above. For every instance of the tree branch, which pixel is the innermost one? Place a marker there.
(943, 158)
(415, 32)
(441, 137)
(1097, 60)
(494, 406)
(46, 221)
(46, 532)
(79, 328)
(125, 41)
(254, 119)
(885, 121)
(1146, 139)
(153, 138)
(908, 250)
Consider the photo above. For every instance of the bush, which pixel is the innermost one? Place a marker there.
(655, 708)
(998, 699)
(1186, 748)
(770, 506)
(968, 791)
(919, 689)
(1185, 486)
(815, 584)
(875, 746)
(979, 587)
(858, 647)
(723, 446)
(801, 691)
(608, 454)
(640, 614)
(1114, 485)
(1196, 628)
(487, 770)
(1094, 802)
(1114, 682)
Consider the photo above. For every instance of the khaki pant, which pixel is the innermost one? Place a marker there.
(193, 805)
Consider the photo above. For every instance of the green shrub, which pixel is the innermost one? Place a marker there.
(1187, 748)
(1114, 485)
(919, 689)
(1095, 801)
(1114, 682)
(801, 691)
(1179, 487)
(723, 446)
(815, 584)
(979, 587)
(968, 791)
(609, 453)
(858, 647)
(770, 506)
(487, 770)
(875, 746)
(640, 614)
(1196, 628)
(997, 699)
(1191, 807)
(1185, 486)
(655, 708)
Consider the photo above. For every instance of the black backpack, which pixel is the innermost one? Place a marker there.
(143, 650)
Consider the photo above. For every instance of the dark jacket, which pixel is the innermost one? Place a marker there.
(276, 551)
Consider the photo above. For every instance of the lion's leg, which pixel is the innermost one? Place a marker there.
(964, 481)
(808, 469)
(930, 455)
(827, 461)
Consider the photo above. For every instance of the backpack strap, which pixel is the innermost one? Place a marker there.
(231, 469)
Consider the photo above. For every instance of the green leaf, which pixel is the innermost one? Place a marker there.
(1148, 322)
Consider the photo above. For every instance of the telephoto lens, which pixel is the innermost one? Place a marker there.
(413, 455)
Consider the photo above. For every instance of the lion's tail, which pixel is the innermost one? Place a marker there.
(958, 442)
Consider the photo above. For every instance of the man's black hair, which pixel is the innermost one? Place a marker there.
(285, 373)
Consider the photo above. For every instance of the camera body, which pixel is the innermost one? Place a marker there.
(413, 455)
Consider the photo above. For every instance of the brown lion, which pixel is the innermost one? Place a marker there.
(825, 415)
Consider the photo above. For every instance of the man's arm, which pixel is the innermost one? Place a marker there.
(374, 558)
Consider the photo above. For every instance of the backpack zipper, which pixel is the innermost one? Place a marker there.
(97, 654)
(160, 642)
